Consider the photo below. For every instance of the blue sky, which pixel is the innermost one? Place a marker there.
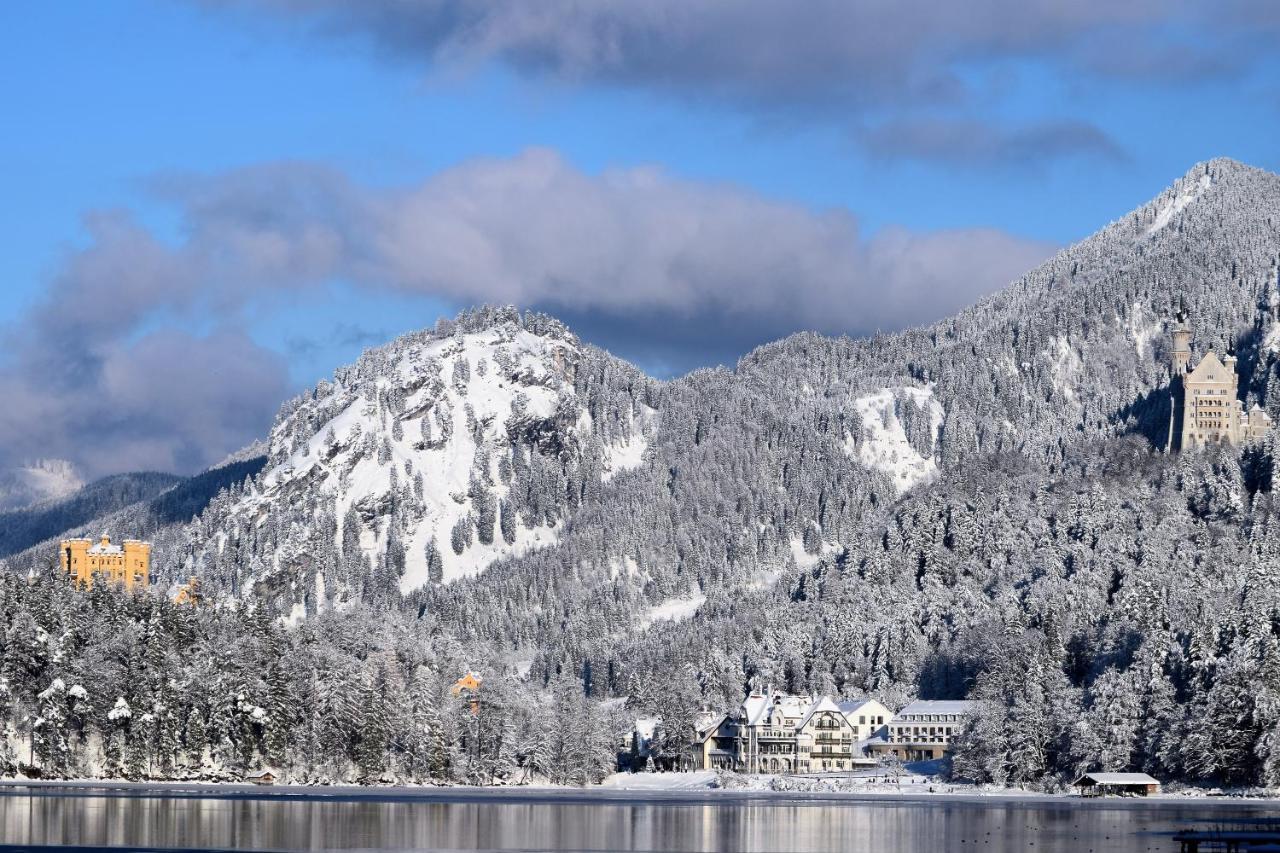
(969, 148)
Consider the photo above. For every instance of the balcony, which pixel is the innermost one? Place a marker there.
(771, 733)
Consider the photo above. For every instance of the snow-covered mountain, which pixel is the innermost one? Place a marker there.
(981, 508)
(437, 454)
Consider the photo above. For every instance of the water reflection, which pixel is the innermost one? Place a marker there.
(529, 822)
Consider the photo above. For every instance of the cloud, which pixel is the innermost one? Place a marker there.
(840, 61)
(678, 271)
(826, 54)
(969, 143)
(97, 374)
(534, 230)
(169, 400)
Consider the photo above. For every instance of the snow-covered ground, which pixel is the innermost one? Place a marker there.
(701, 780)
(672, 610)
(702, 784)
(881, 782)
(883, 444)
(1272, 341)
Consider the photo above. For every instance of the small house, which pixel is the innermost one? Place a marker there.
(713, 743)
(468, 687)
(261, 777)
(1125, 784)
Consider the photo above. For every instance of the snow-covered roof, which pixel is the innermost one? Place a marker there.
(1209, 368)
(938, 706)
(852, 706)
(823, 704)
(709, 726)
(1118, 779)
(792, 707)
(104, 546)
(754, 709)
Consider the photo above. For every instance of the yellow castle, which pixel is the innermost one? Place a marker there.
(128, 564)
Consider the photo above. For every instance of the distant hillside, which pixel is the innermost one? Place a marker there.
(22, 528)
(124, 506)
(40, 481)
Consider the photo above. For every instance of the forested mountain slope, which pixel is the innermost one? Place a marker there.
(984, 507)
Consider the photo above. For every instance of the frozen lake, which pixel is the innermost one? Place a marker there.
(596, 820)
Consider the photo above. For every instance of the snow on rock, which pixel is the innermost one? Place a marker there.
(55, 687)
(803, 558)
(1170, 209)
(884, 445)
(625, 455)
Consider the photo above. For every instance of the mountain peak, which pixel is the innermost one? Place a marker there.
(439, 453)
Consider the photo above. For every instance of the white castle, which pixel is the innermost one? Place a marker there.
(1211, 411)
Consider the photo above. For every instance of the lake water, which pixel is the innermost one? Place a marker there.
(596, 821)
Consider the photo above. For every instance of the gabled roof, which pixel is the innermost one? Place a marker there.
(711, 727)
(1210, 369)
(1117, 779)
(823, 704)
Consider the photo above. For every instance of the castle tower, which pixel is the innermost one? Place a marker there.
(74, 554)
(1181, 342)
(137, 563)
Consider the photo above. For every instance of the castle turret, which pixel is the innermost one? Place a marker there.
(1181, 342)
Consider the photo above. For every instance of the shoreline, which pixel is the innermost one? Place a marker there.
(597, 795)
